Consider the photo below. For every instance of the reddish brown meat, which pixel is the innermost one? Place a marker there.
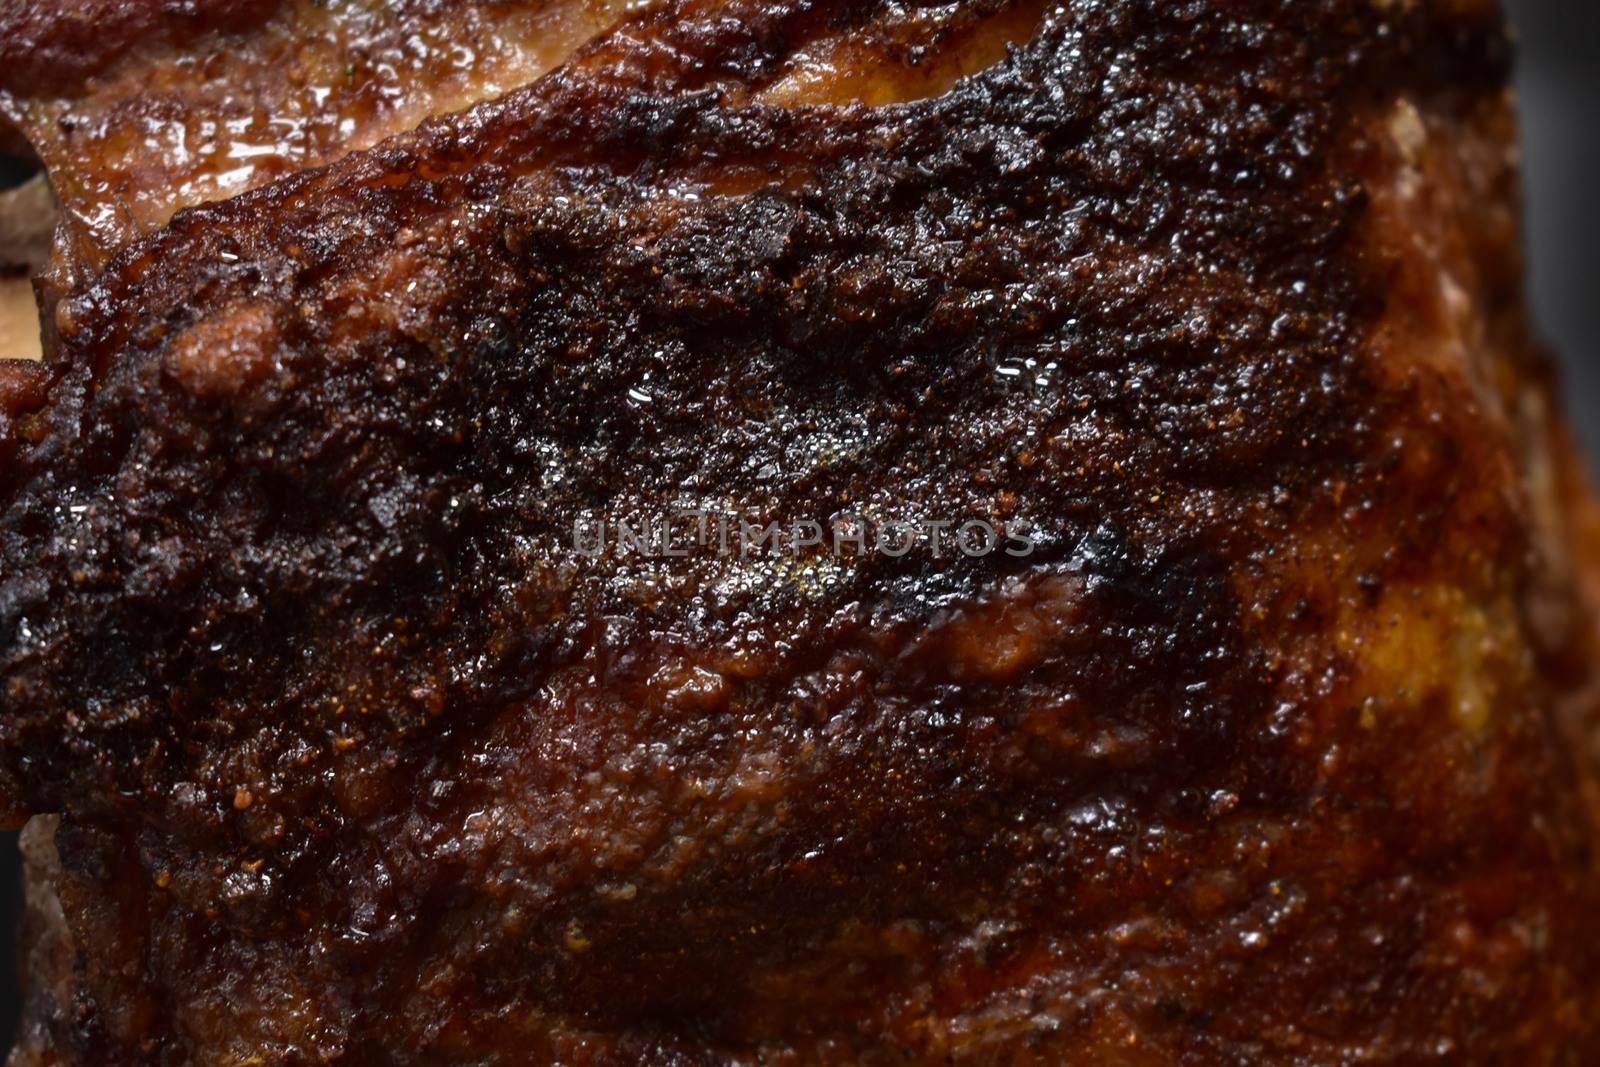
(141, 108)
(1279, 747)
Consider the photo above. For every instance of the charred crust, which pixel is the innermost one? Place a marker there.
(291, 537)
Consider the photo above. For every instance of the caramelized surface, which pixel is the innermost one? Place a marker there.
(163, 112)
(1279, 748)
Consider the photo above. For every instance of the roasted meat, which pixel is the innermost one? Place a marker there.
(1270, 736)
(140, 109)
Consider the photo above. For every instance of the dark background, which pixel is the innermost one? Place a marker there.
(1559, 79)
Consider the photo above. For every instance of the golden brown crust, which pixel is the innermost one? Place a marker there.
(1270, 752)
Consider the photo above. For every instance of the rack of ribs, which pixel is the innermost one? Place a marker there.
(1275, 741)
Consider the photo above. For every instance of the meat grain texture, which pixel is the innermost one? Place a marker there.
(1280, 747)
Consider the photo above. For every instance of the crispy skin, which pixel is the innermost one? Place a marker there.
(1277, 749)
